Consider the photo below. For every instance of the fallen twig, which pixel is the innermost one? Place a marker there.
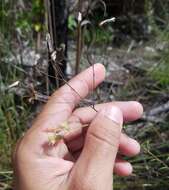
(153, 114)
(160, 109)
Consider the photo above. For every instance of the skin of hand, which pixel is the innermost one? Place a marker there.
(87, 158)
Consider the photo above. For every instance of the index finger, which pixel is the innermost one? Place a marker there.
(131, 110)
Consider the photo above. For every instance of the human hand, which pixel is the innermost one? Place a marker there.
(86, 158)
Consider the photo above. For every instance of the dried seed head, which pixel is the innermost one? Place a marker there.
(54, 139)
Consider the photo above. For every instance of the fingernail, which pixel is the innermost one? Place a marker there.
(114, 114)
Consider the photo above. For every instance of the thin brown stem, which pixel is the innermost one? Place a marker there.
(79, 38)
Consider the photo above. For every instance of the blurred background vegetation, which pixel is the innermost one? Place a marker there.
(135, 51)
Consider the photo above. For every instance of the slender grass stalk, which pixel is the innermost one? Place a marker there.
(79, 37)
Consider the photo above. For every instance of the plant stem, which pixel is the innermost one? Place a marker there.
(79, 37)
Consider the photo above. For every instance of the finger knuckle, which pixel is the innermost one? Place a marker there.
(107, 136)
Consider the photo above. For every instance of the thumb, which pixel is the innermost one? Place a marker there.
(102, 141)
